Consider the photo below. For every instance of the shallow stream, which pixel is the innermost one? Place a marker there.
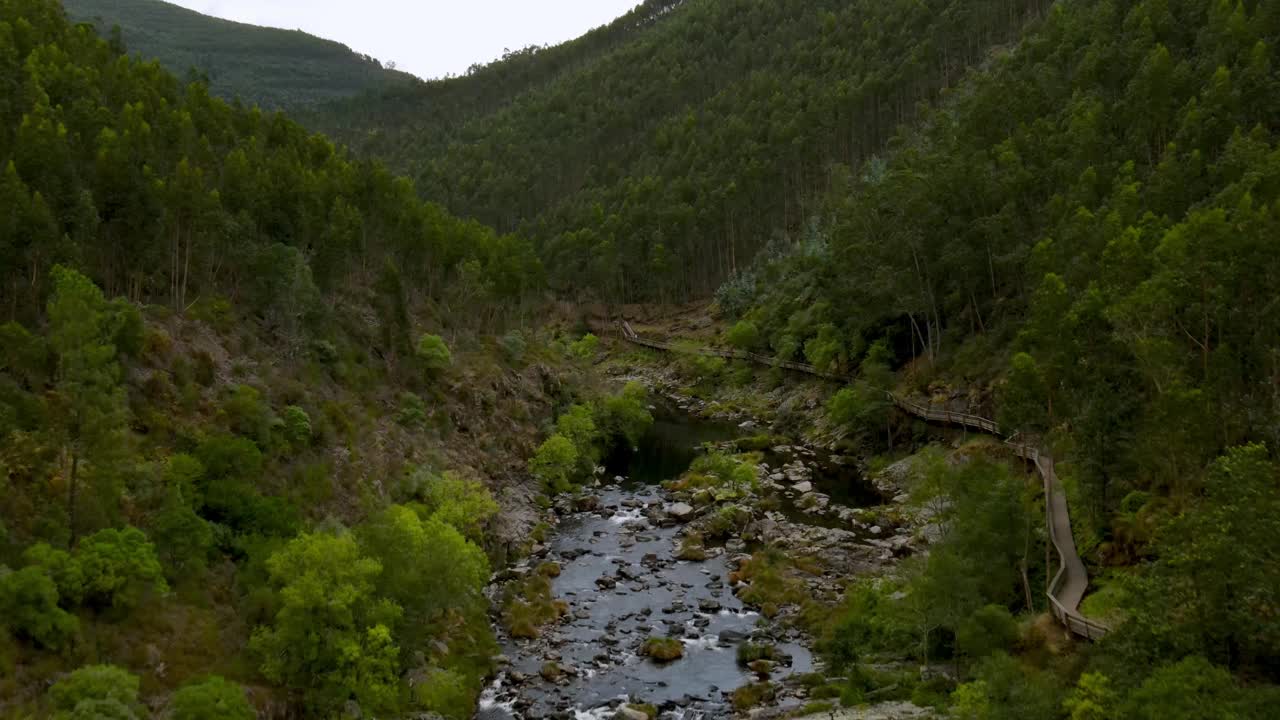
(623, 585)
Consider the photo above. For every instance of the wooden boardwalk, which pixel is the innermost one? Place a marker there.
(1068, 585)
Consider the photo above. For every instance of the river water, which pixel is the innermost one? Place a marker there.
(624, 585)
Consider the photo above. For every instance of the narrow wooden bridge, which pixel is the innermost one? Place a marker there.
(1068, 585)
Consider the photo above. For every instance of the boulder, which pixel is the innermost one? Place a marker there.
(681, 511)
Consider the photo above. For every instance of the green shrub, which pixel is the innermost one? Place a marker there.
(248, 414)
(446, 693)
(184, 538)
(692, 548)
(626, 415)
(412, 411)
(61, 567)
(101, 691)
(753, 695)
(585, 348)
(749, 652)
(662, 649)
(226, 456)
(555, 463)
(460, 502)
(213, 698)
(29, 607)
(528, 604)
(744, 335)
(433, 354)
(118, 565)
(987, 630)
(297, 426)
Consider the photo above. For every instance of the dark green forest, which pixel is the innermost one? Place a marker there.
(650, 159)
(269, 67)
(242, 362)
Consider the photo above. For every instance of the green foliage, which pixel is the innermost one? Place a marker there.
(1004, 689)
(297, 426)
(118, 566)
(584, 348)
(183, 539)
(330, 638)
(412, 411)
(987, 630)
(1191, 688)
(1092, 698)
(433, 354)
(626, 415)
(735, 474)
(270, 67)
(744, 335)
(90, 421)
(555, 463)
(213, 698)
(1205, 593)
(96, 691)
(446, 693)
(460, 502)
(61, 567)
(248, 415)
(29, 606)
(662, 649)
(427, 566)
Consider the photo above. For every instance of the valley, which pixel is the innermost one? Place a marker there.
(737, 359)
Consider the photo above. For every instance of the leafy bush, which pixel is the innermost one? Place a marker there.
(626, 415)
(585, 348)
(427, 566)
(329, 637)
(61, 567)
(412, 411)
(118, 565)
(96, 691)
(230, 457)
(827, 351)
(446, 693)
(744, 335)
(297, 426)
(462, 503)
(555, 463)
(184, 538)
(753, 695)
(662, 649)
(29, 607)
(213, 698)
(527, 604)
(433, 354)
(989, 629)
(248, 414)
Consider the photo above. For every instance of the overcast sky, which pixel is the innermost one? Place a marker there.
(428, 38)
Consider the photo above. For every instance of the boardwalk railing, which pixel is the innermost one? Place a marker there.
(1067, 587)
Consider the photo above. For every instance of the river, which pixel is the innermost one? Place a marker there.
(623, 584)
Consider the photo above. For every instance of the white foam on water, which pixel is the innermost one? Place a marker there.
(626, 516)
(735, 613)
(489, 698)
(706, 642)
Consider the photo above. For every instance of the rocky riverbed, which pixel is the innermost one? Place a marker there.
(622, 579)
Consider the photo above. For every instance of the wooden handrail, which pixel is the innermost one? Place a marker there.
(1067, 613)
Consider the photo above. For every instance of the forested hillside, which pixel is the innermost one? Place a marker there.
(1083, 238)
(262, 66)
(246, 382)
(651, 158)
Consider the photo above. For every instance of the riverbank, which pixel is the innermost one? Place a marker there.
(715, 571)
